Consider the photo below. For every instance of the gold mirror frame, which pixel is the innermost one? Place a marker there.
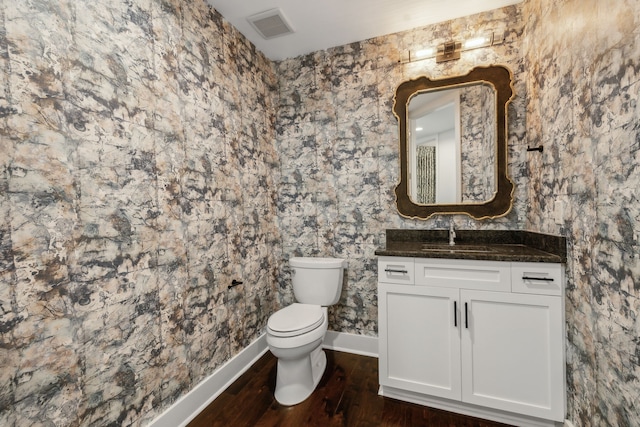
(496, 76)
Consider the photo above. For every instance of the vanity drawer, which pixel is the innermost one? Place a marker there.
(396, 270)
(464, 274)
(536, 278)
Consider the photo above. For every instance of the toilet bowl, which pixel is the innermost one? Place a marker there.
(301, 361)
(295, 333)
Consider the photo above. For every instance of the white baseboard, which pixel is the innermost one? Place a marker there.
(568, 423)
(191, 404)
(351, 343)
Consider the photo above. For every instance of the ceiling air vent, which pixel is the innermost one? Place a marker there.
(270, 24)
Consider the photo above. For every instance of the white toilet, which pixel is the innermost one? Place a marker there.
(295, 333)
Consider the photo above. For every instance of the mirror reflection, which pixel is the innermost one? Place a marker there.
(451, 136)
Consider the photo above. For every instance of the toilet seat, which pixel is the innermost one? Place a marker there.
(296, 319)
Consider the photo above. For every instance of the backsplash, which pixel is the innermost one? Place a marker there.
(338, 141)
(136, 181)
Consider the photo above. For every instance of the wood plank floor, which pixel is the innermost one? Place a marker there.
(346, 396)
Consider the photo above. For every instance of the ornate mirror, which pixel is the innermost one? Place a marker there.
(453, 145)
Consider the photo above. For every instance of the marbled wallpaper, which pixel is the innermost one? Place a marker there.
(149, 155)
(338, 143)
(137, 179)
(583, 58)
(477, 143)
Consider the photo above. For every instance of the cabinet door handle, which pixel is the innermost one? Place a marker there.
(544, 279)
(466, 316)
(455, 314)
(392, 270)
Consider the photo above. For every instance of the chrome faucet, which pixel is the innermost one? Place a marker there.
(452, 234)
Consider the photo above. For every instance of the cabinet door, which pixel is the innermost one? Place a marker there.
(419, 339)
(512, 353)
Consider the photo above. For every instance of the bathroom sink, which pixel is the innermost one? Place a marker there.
(446, 248)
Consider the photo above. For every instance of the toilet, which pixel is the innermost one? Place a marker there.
(295, 333)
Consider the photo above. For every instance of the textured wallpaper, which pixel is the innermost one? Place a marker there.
(583, 105)
(137, 171)
(338, 143)
(149, 155)
(477, 141)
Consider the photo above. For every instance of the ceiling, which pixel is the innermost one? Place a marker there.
(321, 24)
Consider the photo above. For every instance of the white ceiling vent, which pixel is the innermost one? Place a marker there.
(270, 24)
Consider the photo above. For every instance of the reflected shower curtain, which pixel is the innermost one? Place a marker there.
(426, 174)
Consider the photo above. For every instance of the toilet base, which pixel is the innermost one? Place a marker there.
(297, 379)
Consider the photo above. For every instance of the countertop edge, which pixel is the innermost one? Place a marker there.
(547, 248)
(554, 259)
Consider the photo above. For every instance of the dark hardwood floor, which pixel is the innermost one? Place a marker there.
(346, 396)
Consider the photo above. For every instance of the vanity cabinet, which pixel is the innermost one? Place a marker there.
(478, 337)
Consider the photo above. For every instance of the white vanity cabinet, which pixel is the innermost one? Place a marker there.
(478, 337)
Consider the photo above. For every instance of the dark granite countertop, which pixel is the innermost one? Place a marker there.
(491, 245)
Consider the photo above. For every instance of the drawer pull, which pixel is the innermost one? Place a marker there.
(392, 270)
(544, 279)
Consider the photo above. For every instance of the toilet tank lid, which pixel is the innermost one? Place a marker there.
(313, 262)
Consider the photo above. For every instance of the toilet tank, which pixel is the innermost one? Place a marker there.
(317, 280)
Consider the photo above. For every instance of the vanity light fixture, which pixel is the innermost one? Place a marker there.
(451, 50)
